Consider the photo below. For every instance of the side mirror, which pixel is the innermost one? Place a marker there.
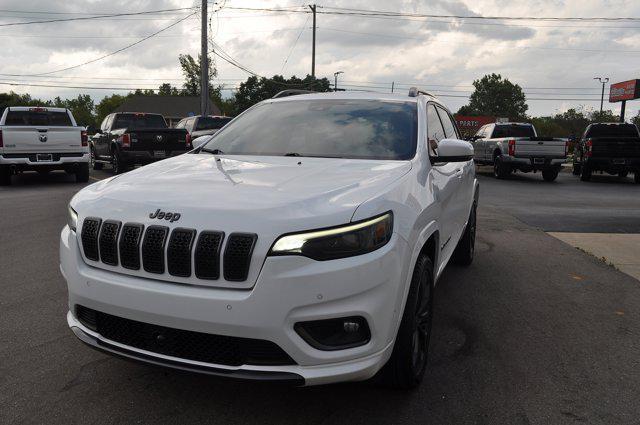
(453, 150)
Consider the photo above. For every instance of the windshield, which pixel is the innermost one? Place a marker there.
(212, 123)
(363, 129)
(138, 121)
(513, 130)
(41, 117)
(613, 130)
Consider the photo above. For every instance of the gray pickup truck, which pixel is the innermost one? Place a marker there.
(516, 146)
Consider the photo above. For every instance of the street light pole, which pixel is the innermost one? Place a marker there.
(204, 63)
(335, 77)
(313, 42)
(604, 81)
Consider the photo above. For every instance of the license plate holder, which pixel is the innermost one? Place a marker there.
(538, 160)
(619, 161)
(44, 157)
(159, 154)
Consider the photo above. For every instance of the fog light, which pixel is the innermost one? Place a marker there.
(335, 334)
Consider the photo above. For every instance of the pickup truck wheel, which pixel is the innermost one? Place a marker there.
(116, 164)
(549, 174)
(82, 173)
(585, 173)
(500, 169)
(5, 175)
(576, 169)
(405, 369)
(95, 165)
(463, 255)
(623, 174)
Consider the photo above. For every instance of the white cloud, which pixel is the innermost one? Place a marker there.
(451, 53)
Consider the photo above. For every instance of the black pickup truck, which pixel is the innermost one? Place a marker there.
(613, 148)
(129, 138)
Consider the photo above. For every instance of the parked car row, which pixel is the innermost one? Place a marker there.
(44, 139)
(613, 148)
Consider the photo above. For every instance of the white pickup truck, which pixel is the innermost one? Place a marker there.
(515, 146)
(42, 139)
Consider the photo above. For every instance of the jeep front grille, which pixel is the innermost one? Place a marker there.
(183, 250)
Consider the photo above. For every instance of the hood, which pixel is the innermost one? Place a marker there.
(243, 193)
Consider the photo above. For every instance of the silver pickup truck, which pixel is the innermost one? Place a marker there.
(515, 146)
(42, 139)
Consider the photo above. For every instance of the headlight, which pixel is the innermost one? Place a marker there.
(338, 242)
(72, 218)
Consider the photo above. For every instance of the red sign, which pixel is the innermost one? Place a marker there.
(469, 125)
(626, 90)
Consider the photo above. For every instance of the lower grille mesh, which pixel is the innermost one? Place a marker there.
(189, 345)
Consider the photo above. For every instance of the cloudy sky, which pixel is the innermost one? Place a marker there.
(549, 59)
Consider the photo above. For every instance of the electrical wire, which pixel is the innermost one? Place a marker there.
(295, 43)
(84, 18)
(108, 54)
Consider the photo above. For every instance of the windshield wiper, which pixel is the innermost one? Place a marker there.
(292, 154)
(213, 151)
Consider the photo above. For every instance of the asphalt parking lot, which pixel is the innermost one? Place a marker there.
(534, 332)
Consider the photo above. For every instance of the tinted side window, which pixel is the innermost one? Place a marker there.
(449, 127)
(434, 127)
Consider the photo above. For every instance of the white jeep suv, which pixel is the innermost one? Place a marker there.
(301, 243)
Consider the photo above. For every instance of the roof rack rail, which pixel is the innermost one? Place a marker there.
(291, 92)
(414, 91)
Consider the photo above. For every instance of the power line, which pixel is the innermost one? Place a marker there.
(295, 43)
(84, 18)
(88, 87)
(107, 55)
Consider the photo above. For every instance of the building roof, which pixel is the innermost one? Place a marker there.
(168, 106)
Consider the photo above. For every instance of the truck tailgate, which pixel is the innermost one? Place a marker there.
(161, 139)
(540, 147)
(616, 147)
(21, 139)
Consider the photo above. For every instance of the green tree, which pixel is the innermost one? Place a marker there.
(15, 99)
(636, 120)
(109, 104)
(81, 107)
(604, 116)
(167, 89)
(257, 89)
(497, 97)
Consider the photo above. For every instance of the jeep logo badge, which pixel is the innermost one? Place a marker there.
(43, 138)
(169, 216)
(159, 137)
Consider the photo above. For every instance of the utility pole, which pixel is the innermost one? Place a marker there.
(393, 83)
(204, 63)
(335, 76)
(313, 43)
(604, 81)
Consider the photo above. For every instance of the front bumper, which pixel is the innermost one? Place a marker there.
(288, 290)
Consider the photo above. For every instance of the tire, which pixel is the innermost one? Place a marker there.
(95, 165)
(463, 254)
(405, 369)
(116, 163)
(82, 173)
(636, 177)
(623, 174)
(5, 176)
(585, 173)
(500, 169)
(576, 169)
(550, 174)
